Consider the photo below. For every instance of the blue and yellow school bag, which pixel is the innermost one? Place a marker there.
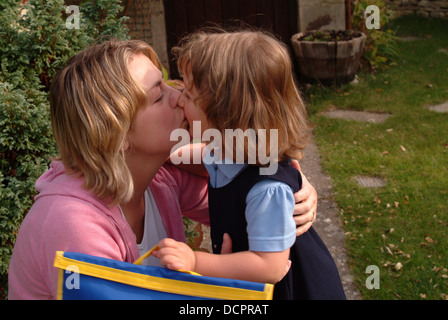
(86, 277)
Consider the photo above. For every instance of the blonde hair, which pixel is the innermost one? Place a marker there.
(245, 80)
(93, 101)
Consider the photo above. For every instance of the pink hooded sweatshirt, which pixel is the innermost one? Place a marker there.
(67, 217)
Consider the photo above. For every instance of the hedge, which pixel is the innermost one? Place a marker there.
(34, 43)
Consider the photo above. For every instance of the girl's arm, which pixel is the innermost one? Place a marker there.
(265, 267)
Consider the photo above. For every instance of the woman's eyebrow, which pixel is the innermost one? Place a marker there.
(152, 86)
(158, 83)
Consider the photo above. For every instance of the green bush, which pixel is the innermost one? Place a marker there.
(381, 44)
(34, 43)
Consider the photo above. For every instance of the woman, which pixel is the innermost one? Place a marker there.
(110, 192)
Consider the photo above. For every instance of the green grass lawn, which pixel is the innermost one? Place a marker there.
(402, 227)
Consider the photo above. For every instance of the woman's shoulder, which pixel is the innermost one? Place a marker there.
(64, 215)
(76, 224)
(170, 174)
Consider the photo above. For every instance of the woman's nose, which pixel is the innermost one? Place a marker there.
(181, 102)
(174, 98)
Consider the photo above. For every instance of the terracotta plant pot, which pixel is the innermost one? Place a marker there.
(333, 61)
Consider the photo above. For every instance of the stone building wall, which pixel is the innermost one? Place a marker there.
(139, 23)
(147, 20)
(426, 8)
(321, 14)
(147, 23)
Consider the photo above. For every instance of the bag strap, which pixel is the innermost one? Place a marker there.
(139, 261)
(146, 255)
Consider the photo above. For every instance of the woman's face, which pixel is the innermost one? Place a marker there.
(151, 130)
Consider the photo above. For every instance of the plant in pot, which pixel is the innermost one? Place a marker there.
(330, 56)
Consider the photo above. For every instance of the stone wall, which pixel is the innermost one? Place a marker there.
(321, 14)
(147, 23)
(147, 20)
(139, 23)
(426, 8)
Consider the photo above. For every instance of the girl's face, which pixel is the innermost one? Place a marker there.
(152, 127)
(189, 102)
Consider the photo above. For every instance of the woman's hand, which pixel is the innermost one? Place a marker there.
(306, 204)
(226, 246)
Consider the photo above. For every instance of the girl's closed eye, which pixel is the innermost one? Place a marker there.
(185, 94)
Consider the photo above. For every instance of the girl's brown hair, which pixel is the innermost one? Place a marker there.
(245, 80)
(93, 102)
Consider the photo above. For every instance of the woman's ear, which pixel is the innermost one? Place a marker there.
(125, 145)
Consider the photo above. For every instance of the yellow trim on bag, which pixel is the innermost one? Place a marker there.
(162, 284)
(60, 284)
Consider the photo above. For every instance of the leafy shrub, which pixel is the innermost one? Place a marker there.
(380, 47)
(34, 44)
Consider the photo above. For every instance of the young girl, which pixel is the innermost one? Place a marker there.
(244, 80)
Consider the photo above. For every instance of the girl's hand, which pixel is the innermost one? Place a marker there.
(175, 255)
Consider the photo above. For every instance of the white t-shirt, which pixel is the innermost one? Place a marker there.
(153, 231)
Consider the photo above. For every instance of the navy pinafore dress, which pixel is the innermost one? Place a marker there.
(313, 274)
